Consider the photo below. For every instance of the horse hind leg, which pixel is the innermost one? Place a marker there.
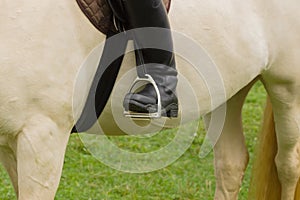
(40, 152)
(288, 156)
(285, 102)
(230, 152)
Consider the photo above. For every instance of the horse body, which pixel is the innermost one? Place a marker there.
(43, 46)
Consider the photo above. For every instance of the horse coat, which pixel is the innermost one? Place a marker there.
(42, 50)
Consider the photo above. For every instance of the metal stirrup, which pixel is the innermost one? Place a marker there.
(157, 114)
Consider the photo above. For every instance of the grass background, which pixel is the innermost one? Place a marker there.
(188, 178)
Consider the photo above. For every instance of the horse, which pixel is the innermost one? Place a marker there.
(43, 45)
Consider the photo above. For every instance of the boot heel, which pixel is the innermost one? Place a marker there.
(172, 111)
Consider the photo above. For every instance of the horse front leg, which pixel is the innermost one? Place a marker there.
(40, 153)
(230, 152)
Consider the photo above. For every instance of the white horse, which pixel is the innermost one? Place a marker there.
(43, 44)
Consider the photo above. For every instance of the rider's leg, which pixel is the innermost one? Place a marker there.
(160, 63)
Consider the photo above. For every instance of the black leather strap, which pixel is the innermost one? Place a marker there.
(119, 14)
(103, 82)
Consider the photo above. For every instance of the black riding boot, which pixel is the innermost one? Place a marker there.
(159, 64)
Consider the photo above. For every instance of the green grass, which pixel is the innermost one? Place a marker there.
(188, 178)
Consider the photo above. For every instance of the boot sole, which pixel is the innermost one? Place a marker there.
(170, 110)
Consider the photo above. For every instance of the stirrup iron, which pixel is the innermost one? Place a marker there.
(148, 79)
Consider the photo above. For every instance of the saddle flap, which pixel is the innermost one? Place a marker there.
(98, 13)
